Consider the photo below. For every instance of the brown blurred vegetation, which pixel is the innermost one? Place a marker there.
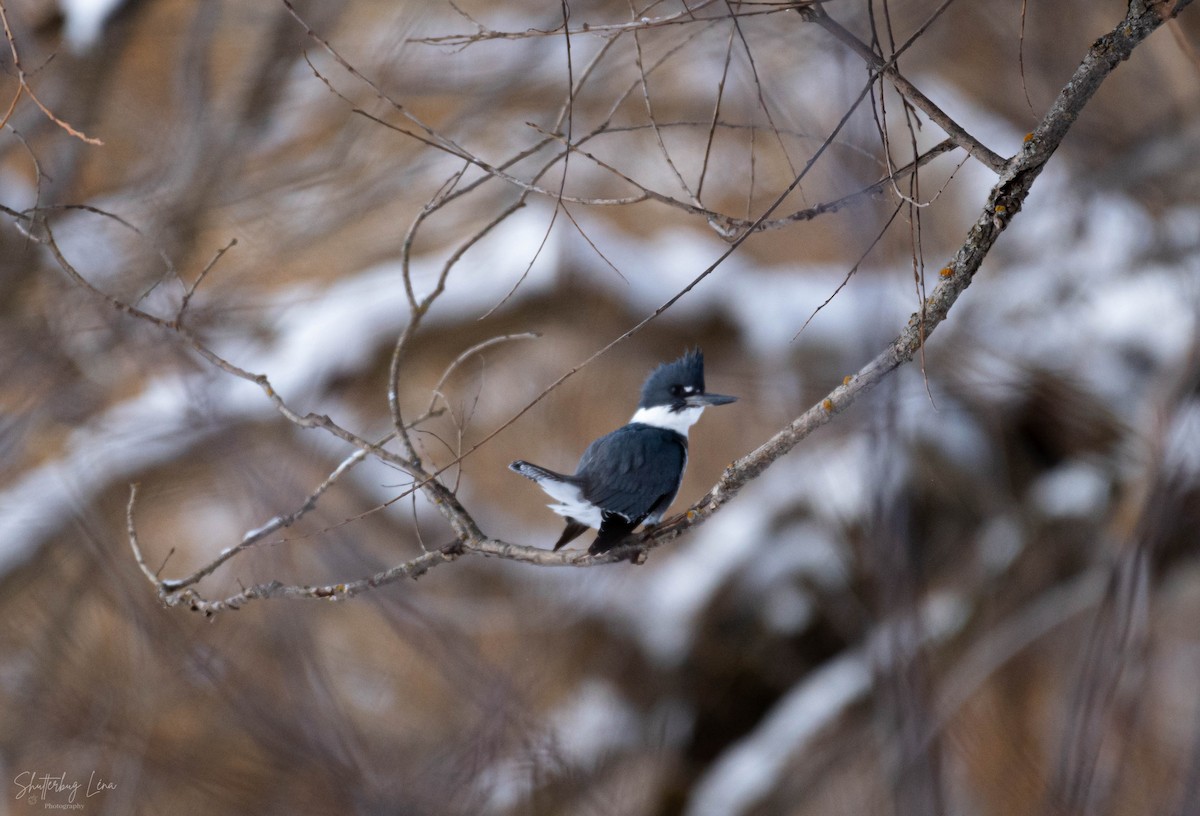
(1062, 681)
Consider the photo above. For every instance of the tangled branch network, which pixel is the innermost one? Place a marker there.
(1015, 177)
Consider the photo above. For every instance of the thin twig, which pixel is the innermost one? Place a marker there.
(471, 352)
(208, 267)
(252, 537)
(853, 269)
(716, 115)
(642, 23)
(978, 150)
(24, 87)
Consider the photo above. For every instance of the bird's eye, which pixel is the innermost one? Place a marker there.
(677, 391)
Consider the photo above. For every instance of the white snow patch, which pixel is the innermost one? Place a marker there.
(1072, 490)
(787, 609)
(771, 306)
(831, 481)
(594, 722)
(1145, 312)
(141, 432)
(1182, 445)
(803, 548)
(749, 770)
(672, 595)
(840, 479)
(1000, 543)
(664, 605)
(953, 431)
(85, 19)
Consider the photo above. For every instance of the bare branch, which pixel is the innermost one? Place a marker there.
(329, 592)
(131, 531)
(191, 290)
(1004, 201)
(468, 354)
(24, 87)
(278, 523)
(962, 138)
(642, 23)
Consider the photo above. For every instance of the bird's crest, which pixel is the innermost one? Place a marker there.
(686, 372)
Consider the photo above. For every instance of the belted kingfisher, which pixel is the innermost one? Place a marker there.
(631, 475)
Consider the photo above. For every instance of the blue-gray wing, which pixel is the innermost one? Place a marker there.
(633, 471)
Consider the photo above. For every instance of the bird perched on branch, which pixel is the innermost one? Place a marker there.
(631, 475)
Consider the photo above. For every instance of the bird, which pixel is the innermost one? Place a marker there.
(631, 476)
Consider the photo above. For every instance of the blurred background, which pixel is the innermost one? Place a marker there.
(975, 592)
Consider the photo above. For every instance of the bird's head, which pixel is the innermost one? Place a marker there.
(679, 385)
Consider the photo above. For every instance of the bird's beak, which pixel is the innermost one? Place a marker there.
(702, 400)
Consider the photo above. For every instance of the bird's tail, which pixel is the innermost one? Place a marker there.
(612, 532)
(573, 531)
(537, 473)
